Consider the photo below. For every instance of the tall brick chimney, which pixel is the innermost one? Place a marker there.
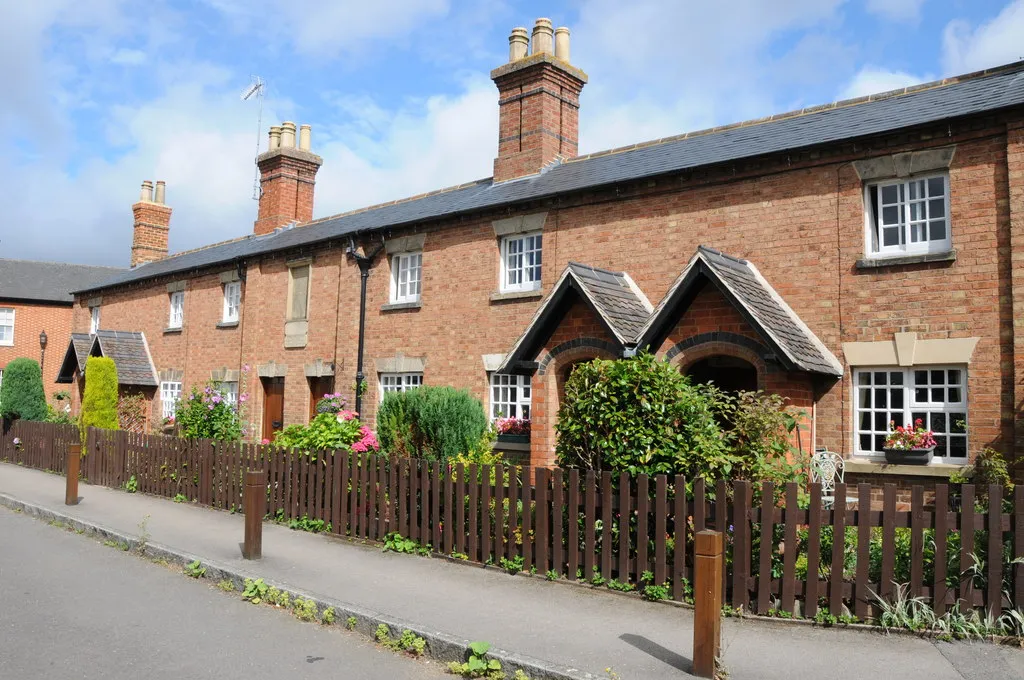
(152, 224)
(287, 177)
(538, 102)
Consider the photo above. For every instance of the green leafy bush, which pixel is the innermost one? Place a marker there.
(642, 416)
(207, 414)
(758, 429)
(99, 405)
(436, 423)
(21, 394)
(329, 432)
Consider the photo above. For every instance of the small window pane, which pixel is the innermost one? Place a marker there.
(864, 378)
(938, 377)
(920, 377)
(896, 378)
(889, 194)
(936, 186)
(936, 208)
(896, 399)
(958, 423)
(880, 398)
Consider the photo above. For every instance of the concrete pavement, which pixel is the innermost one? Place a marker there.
(74, 609)
(573, 631)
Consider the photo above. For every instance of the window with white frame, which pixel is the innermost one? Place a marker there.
(6, 325)
(169, 393)
(406, 274)
(94, 320)
(935, 395)
(521, 262)
(399, 382)
(230, 391)
(232, 301)
(908, 216)
(510, 396)
(177, 313)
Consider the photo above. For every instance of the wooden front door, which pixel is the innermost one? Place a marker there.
(273, 406)
(318, 387)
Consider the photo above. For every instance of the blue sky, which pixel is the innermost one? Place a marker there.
(102, 94)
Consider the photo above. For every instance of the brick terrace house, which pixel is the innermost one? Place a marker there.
(861, 258)
(35, 302)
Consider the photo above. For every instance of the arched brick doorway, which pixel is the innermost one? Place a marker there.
(729, 373)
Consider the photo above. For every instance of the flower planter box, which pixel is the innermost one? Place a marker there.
(514, 438)
(909, 456)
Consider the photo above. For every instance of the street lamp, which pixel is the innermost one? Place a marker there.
(42, 349)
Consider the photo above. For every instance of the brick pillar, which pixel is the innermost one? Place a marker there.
(152, 225)
(538, 104)
(1015, 180)
(287, 177)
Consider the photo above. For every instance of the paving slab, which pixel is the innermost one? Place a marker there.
(586, 630)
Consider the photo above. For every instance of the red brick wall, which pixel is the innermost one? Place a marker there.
(799, 218)
(149, 238)
(538, 119)
(287, 179)
(30, 319)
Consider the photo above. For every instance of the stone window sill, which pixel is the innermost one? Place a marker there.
(396, 306)
(227, 324)
(172, 331)
(880, 467)
(498, 296)
(878, 262)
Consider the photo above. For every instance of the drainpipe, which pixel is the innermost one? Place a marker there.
(364, 262)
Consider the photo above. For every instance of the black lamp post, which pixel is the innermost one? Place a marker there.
(42, 349)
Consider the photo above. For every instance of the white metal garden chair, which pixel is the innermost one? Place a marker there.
(828, 469)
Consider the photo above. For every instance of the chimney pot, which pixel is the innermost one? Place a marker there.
(518, 44)
(147, 192)
(304, 137)
(161, 188)
(562, 44)
(543, 37)
(275, 138)
(287, 135)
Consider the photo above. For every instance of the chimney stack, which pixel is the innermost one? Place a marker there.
(152, 225)
(287, 177)
(538, 102)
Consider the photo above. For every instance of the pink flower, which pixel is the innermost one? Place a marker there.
(243, 397)
(265, 441)
(245, 367)
(345, 415)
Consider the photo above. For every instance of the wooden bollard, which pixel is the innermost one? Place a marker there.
(707, 601)
(73, 463)
(255, 501)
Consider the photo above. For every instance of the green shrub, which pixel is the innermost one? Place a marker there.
(206, 414)
(21, 394)
(329, 432)
(99, 405)
(437, 423)
(642, 416)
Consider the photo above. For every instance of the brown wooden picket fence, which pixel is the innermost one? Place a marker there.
(569, 521)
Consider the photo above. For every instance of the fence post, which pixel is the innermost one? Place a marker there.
(707, 611)
(255, 501)
(74, 460)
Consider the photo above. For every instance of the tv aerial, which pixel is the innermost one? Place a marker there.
(257, 88)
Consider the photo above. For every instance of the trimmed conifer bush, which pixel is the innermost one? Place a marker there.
(99, 405)
(21, 394)
(437, 423)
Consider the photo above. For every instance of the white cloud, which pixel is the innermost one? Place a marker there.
(995, 42)
(327, 29)
(896, 10)
(376, 155)
(873, 80)
(128, 57)
(667, 68)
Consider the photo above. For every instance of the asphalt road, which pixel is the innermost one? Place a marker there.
(71, 607)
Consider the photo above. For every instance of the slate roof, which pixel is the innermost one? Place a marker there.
(970, 94)
(612, 295)
(128, 349)
(740, 281)
(49, 281)
(130, 353)
(75, 356)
